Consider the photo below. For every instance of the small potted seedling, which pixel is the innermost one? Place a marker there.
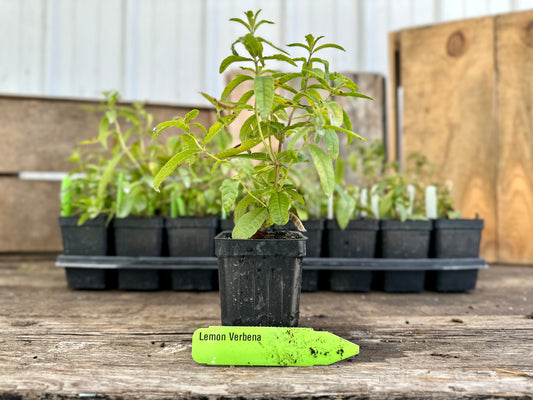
(84, 229)
(260, 269)
(453, 237)
(405, 231)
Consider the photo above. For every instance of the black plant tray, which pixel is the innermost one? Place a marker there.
(340, 274)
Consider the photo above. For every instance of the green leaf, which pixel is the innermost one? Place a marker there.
(297, 136)
(264, 94)
(249, 223)
(244, 146)
(332, 143)
(230, 60)
(213, 130)
(345, 209)
(107, 175)
(171, 165)
(233, 84)
(278, 207)
(340, 129)
(191, 115)
(242, 207)
(336, 115)
(332, 45)
(229, 191)
(280, 57)
(165, 125)
(324, 168)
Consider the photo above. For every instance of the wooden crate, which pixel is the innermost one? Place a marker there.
(39, 134)
(462, 94)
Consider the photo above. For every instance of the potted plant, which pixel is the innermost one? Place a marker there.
(84, 229)
(454, 237)
(259, 272)
(405, 231)
(195, 206)
(137, 225)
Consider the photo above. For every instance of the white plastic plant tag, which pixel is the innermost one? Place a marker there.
(364, 202)
(330, 207)
(431, 202)
(411, 197)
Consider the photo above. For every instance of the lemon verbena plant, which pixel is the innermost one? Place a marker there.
(293, 119)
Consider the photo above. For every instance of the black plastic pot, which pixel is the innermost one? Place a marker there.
(138, 237)
(89, 239)
(358, 240)
(260, 280)
(404, 240)
(314, 246)
(191, 237)
(139, 279)
(91, 278)
(455, 238)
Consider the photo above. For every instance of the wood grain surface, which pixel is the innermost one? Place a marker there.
(39, 134)
(447, 76)
(56, 343)
(514, 59)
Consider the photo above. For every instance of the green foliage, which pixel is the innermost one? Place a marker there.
(114, 172)
(294, 121)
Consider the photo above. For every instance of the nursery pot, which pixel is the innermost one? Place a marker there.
(260, 280)
(407, 239)
(89, 239)
(314, 233)
(191, 236)
(455, 238)
(138, 237)
(357, 240)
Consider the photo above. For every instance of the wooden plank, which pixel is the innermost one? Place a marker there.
(29, 212)
(447, 75)
(56, 343)
(391, 139)
(514, 52)
(39, 134)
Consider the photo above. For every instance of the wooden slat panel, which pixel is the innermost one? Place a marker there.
(29, 212)
(39, 134)
(391, 140)
(447, 75)
(514, 52)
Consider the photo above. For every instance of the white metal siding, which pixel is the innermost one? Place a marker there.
(170, 50)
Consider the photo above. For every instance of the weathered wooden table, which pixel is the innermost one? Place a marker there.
(56, 343)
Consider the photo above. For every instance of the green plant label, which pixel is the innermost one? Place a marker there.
(268, 346)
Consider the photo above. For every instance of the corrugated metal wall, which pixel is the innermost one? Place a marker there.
(169, 50)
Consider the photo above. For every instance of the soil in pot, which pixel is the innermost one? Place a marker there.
(260, 279)
(89, 239)
(455, 238)
(358, 240)
(408, 239)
